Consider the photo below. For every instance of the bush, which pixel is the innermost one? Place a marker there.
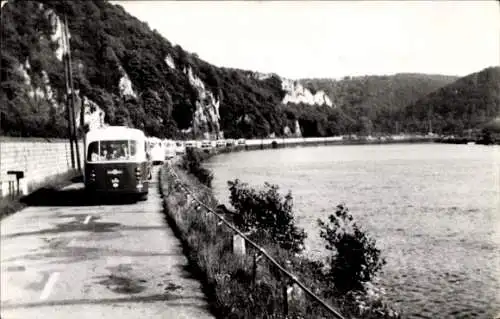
(356, 259)
(486, 137)
(191, 162)
(267, 214)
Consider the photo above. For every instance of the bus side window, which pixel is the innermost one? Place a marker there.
(93, 152)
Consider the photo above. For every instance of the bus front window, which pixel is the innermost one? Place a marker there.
(117, 150)
(133, 149)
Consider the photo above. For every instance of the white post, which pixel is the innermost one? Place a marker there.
(238, 245)
(295, 294)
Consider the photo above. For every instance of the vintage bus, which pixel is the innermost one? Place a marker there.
(180, 148)
(117, 161)
(206, 146)
(157, 150)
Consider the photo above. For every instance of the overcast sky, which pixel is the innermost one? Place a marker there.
(301, 39)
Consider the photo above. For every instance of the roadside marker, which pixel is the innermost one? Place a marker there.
(49, 285)
(87, 219)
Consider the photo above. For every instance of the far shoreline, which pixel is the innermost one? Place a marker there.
(278, 143)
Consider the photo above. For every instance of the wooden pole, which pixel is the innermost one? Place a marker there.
(68, 107)
(284, 291)
(73, 118)
(82, 125)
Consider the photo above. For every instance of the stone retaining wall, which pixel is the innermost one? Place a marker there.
(38, 158)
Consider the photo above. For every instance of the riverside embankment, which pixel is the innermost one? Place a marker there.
(246, 285)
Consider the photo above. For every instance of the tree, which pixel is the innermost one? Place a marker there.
(192, 163)
(183, 114)
(486, 137)
(266, 213)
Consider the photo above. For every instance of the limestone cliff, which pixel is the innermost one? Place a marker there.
(296, 93)
(206, 116)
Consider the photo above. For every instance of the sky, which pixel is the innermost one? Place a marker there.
(332, 39)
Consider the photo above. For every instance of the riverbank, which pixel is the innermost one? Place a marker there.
(236, 284)
(465, 140)
(277, 143)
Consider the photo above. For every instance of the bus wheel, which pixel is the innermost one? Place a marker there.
(143, 197)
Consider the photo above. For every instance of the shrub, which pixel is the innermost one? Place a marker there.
(486, 137)
(267, 214)
(356, 259)
(192, 163)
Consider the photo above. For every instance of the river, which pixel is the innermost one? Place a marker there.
(433, 209)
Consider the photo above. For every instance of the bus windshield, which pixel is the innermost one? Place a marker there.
(111, 150)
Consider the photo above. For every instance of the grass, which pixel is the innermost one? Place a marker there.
(10, 204)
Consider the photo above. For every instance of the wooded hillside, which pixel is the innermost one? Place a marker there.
(138, 78)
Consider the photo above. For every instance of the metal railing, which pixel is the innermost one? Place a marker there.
(291, 276)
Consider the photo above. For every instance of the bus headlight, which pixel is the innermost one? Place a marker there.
(92, 176)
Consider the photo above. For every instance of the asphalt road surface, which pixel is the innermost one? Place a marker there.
(63, 257)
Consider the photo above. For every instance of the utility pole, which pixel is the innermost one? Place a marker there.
(69, 112)
(82, 125)
(70, 73)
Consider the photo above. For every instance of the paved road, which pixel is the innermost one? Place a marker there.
(94, 261)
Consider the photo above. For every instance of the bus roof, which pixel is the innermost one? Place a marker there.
(153, 139)
(114, 132)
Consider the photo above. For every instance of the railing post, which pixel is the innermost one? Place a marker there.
(254, 270)
(284, 291)
(256, 258)
(283, 288)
